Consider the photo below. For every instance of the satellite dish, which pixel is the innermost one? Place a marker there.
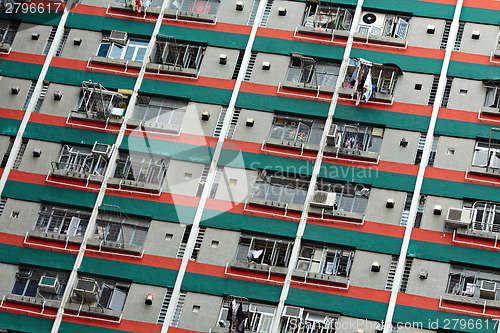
(369, 18)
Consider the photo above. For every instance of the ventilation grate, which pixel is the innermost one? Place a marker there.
(50, 40)
(197, 244)
(185, 237)
(267, 12)
(203, 180)
(434, 88)
(20, 154)
(432, 155)
(215, 185)
(29, 95)
(392, 273)
(406, 210)
(164, 307)
(253, 13)
(446, 35)
(40, 100)
(420, 149)
(220, 122)
(178, 309)
(251, 64)
(7, 153)
(460, 34)
(406, 275)
(232, 126)
(62, 43)
(446, 93)
(237, 68)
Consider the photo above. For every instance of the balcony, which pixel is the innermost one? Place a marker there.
(326, 20)
(148, 7)
(193, 10)
(381, 28)
(486, 160)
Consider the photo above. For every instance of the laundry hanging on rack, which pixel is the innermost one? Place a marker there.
(368, 87)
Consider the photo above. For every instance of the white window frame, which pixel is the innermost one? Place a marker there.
(485, 216)
(47, 220)
(256, 319)
(135, 162)
(81, 160)
(492, 158)
(131, 43)
(473, 277)
(306, 323)
(165, 114)
(272, 245)
(320, 258)
(493, 94)
(190, 6)
(341, 17)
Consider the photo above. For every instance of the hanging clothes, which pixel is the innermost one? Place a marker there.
(368, 87)
(240, 319)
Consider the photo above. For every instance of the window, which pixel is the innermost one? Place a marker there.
(121, 232)
(147, 3)
(487, 155)
(326, 16)
(40, 283)
(355, 136)
(8, 31)
(486, 216)
(96, 101)
(62, 221)
(492, 99)
(81, 160)
(158, 110)
(296, 130)
(307, 70)
(383, 76)
(141, 167)
(100, 293)
(196, 6)
(264, 251)
(325, 260)
(349, 198)
(384, 25)
(473, 282)
(282, 189)
(169, 52)
(133, 49)
(300, 320)
(260, 316)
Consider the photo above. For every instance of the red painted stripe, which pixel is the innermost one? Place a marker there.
(47, 119)
(438, 237)
(459, 176)
(33, 178)
(472, 58)
(485, 4)
(444, 2)
(180, 330)
(36, 59)
(124, 325)
(11, 114)
(191, 139)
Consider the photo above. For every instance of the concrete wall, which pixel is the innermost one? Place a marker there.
(376, 211)
(41, 165)
(206, 316)
(227, 12)
(218, 246)
(211, 67)
(487, 42)
(68, 102)
(276, 74)
(136, 309)
(405, 88)
(7, 278)
(88, 47)
(25, 44)
(26, 219)
(245, 179)
(164, 238)
(192, 123)
(434, 285)
(292, 19)
(4, 144)
(9, 100)
(260, 130)
(467, 95)
(183, 177)
(436, 222)
(391, 150)
(361, 274)
(454, 153)
(418, 36)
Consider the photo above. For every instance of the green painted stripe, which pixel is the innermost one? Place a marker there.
(448, 321)
(219, 286)
(152, 209)
(354, 239)
(285, 47)
(212, 38)
(150, 275)
(55, 195)
(450, 189)
(67, 327)
(480, 15)
(347, 306)
(194, 93)
(248, 223)
(453, 254)
(176, 150)
(100, 23)
(9, 127)
(45, 18)
(75, 77)
(405, 62)
(473, 71)
(24, 323)
(16, 255)
(74, 135)
(463, 129)
(21, 70)
(414, 7)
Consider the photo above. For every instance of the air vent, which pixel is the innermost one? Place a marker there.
(458, 217)
(369, 18)
(323, 199)
(118, 36)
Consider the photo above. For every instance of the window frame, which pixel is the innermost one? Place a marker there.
(495, 92)
(339, 22)
(137, 232)
(81, 160)
(492, 155)
(305, 323)
(158, 170)
(211, 6)
(299, 74)
(321, 265)
(282, 122)
(354, 131)
(34, 278)
(384, 78)
(257, 317)
(123, 48)
(50, 213)
(272, 250)
(171, 53)
(488, 214)
(164, 107)
(468, 275)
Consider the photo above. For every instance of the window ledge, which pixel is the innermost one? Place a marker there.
(152, 126)
(471, 301)
(275, 204)
(4, 47)
(490, 111)
(342, 280)
(477, 233)
(328, 212)
(376, 96)
(115, 246)
(292, 144)
(124, 7)
(354, 153)
(313, 31)
(176, 70)
(252, 266)
(77, 175)
(380, 39)
(134, 184)
(456, 224)
(307, 87)
(111, 119)
(485, 171)
(116, 62)
(92, 310)
(185, 15)
(33, 301)
(54, 237)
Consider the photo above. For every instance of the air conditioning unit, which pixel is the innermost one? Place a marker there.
(303, 265)
(373, 21)
(457, 217)
(335, 137)
(23, 273)
(87, 289)
(292, 311)
(49, 284)
(118, 37)
(488, 289)
(101, 149)
(324, 199)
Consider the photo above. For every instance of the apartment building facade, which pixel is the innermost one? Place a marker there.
(256, 166)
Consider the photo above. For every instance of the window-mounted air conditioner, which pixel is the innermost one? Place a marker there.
(324, 199)
(49, 284)
(334, 137)
(102, 149)
(488, 289)
(457, 217)
(87, 289)
(292, 311)
(373, 23)
(118, 37)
